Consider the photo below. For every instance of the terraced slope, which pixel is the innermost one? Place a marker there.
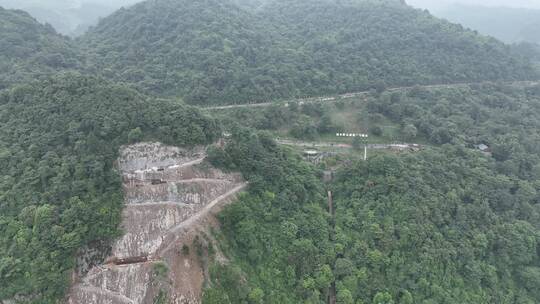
(169, 194)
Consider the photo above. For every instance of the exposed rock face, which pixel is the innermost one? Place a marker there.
(169, 193)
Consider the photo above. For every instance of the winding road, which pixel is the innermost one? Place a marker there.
(331, 99)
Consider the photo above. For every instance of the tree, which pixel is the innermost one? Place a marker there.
(343, 267)
(304, 129)
(395, 98)
(135, 135)
(324, 277)
(326, 125)
(344, 296)
(383, 298)
(256, 296)
(410, 132)
(406, 298)
(380, 87)
(376, 130)
(215, 296)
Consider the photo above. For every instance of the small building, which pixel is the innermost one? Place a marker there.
(313, 156)
(311, 153)
(485, 149)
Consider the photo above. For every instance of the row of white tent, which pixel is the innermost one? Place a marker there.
(351, 135)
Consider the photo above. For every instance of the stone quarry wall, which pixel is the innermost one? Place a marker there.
(170, 194)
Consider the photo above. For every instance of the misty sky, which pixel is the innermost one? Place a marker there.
(440, 4)
(71, 17)
(430, 4)
(66, 3)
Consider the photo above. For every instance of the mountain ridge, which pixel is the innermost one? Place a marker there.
(279, 51)
(29, 49)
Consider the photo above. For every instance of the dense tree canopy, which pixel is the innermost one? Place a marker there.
(368, 42)
(58, 188)
(213, 51)
(278, 234)
(448, 224)
(505, 118)
(29, 49)
(441, 226)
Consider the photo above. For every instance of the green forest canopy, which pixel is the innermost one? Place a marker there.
(211, 51)
(58, 189)
(59, 137)
(445, 225)
(29, 49)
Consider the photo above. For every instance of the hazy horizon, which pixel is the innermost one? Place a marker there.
(436, 5)
(428, 4)
(73, 17)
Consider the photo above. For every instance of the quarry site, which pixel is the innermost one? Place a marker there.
(171, 196)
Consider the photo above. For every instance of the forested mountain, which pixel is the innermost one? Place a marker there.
(444, 225)
(279, 234)
(58, 189)
(68, 17)
(195, 49)
(447, 224)
(436, 227)
(29, 49)
(213, 51)
(370, 41)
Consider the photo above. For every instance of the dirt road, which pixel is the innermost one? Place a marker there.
(331, 99)
(199, 215)
(342, 145)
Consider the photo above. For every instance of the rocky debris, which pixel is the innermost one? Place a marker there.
(143, 156)
(91, 256)
(147, 227)
(169, 195)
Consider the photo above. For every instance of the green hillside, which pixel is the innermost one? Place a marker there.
(213, 51)
(448, 224)
(58, 189)
(29, 49)
(367, 42)
(204, 51)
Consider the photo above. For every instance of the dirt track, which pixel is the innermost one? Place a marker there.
(331, 99)
(321, 144)
(157, 218)
(201, 214)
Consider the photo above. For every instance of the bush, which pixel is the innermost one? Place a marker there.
(185, 249)
(376, 130)
(161, 270)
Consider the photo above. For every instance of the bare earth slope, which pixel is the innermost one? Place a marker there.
(170, 194)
